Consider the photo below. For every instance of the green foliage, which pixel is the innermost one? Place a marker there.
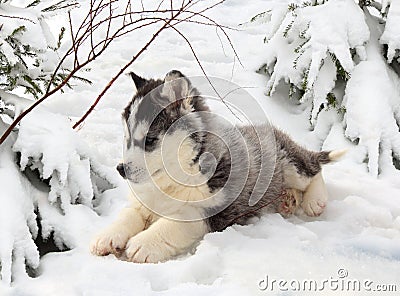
(59, 40)
(22, 65)
(292, 90)
(300, 42)
(304, 82)
(341, 73)
(34, 3)
(331, 102)
(303, 33)
(260, 15)
(60, 5)
(312, 3)
(60, 37)
(288, 27)
(292, 6)
(303, 88)
(16, 71)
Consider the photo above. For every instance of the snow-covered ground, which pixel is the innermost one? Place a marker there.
(358, 234)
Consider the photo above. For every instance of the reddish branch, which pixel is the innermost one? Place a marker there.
(122, 70)
(94, 21)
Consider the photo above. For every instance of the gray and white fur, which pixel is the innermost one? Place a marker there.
(171, 138)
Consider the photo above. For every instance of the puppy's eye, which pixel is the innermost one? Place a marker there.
(150, 141)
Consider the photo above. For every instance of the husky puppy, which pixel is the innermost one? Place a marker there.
(169, 151)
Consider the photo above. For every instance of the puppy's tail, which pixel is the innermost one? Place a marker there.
(325, 157)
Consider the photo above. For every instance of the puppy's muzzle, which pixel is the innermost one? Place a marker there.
(121, 170)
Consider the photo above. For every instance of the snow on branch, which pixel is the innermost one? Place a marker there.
(310, 47)
(17, 218)
(372, 100)
(323, 49)
(60, 156)
(60, 174)
(391, 34)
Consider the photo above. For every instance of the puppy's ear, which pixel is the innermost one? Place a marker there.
(177, 89)
(139, 81)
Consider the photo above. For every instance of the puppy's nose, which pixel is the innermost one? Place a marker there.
(121, 170)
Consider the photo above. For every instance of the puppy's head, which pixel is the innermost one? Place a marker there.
(163, 128)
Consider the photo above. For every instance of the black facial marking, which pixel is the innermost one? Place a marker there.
(147, 143)
(150, 143)
(143, 88)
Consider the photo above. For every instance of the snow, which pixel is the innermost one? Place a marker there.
(28, 19)
(358, 232)
(61, 157)
(391, 34)
(303, 52)
(59, 154)
(298, 52)
(351, 32)
(369, 115)
(17, 219)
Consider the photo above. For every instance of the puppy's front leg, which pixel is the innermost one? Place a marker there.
(163, 240)
(113, 239)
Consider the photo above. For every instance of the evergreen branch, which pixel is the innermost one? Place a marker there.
(34, 3)
(61, 5)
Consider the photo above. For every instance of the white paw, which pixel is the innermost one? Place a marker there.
(110, 241)
(146, 247)
(313, 207)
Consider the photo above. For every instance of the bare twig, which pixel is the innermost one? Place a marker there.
(102, 17)
(168, 24)
(119, 33)
(204, 72)
(17, 17)
(222, 28)
(122, 70)
(75, 49)
(237, 88)
(159, 5)
(91, 28)
(38, 102)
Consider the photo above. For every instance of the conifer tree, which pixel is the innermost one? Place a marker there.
(340, 61)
